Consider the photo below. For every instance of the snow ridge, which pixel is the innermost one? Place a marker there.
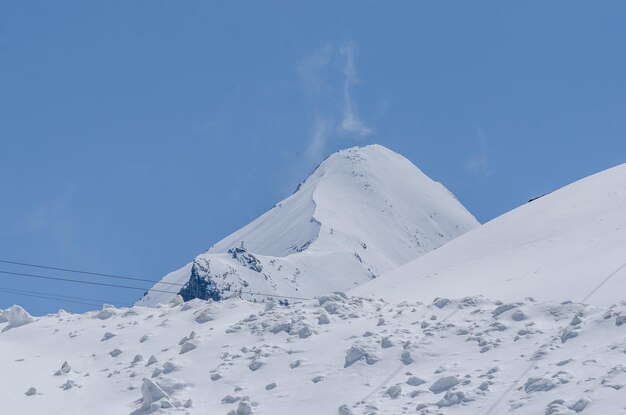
(566, 245)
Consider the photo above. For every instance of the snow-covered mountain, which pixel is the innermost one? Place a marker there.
(567, 245)
(434, 344)
(363, 211)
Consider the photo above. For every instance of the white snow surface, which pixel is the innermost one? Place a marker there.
(567, 245)
(363, 211)
(335, 355)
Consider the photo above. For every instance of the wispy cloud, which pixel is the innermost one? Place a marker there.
(313, 71)
(351, 123)
(328, 76)
(479, 163)
(319, 138)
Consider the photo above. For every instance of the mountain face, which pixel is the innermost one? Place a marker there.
(567, 245)
(363, 211)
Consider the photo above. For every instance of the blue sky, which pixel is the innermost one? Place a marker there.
(133, 135)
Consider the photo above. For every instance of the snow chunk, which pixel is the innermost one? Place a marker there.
(360, 351)
(386, 343)
(244, 408)
(451, 398)
(230, 399)
(107, 336)
(441, 302)
(30, 392)
(580, 405)
(415, 381)
(518, 315)
(305, 332)
(567, 334)
(65, 368)
(538, 385)
(394, 391)
(443, 384)
(406, 357)
(169, 367)
(151, 393)
(178, 300)
(256, 365)
(277, 328)
(345, 410)
(502, 309)
(115, 352)
(69, 385)
(323, 319)
(104, 314)
(16, 316)
(204, 317)
(188, 346)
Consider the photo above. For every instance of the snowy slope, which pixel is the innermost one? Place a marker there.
(570, 244)
(335, 355)
(363, 212)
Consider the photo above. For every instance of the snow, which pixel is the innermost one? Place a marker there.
(15, 316)
(567, 245)
(466, 359)
(363, 212)
(523, 315)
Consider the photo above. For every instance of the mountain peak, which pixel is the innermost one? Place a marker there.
(362, 212)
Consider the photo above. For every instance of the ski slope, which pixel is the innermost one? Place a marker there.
(363, 212)
(567, 245)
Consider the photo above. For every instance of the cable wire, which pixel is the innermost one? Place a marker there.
(102, 284)
(48, 297)
(26, 264)
(60, 296)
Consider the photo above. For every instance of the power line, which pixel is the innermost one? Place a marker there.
(61, 296)
(26, 264)
(48, 297)
(122, 277)
(102, 284)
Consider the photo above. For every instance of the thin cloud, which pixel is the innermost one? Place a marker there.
(319, 137)
(351, 123)
(313, 71)
(328, 76)
(479, 164)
